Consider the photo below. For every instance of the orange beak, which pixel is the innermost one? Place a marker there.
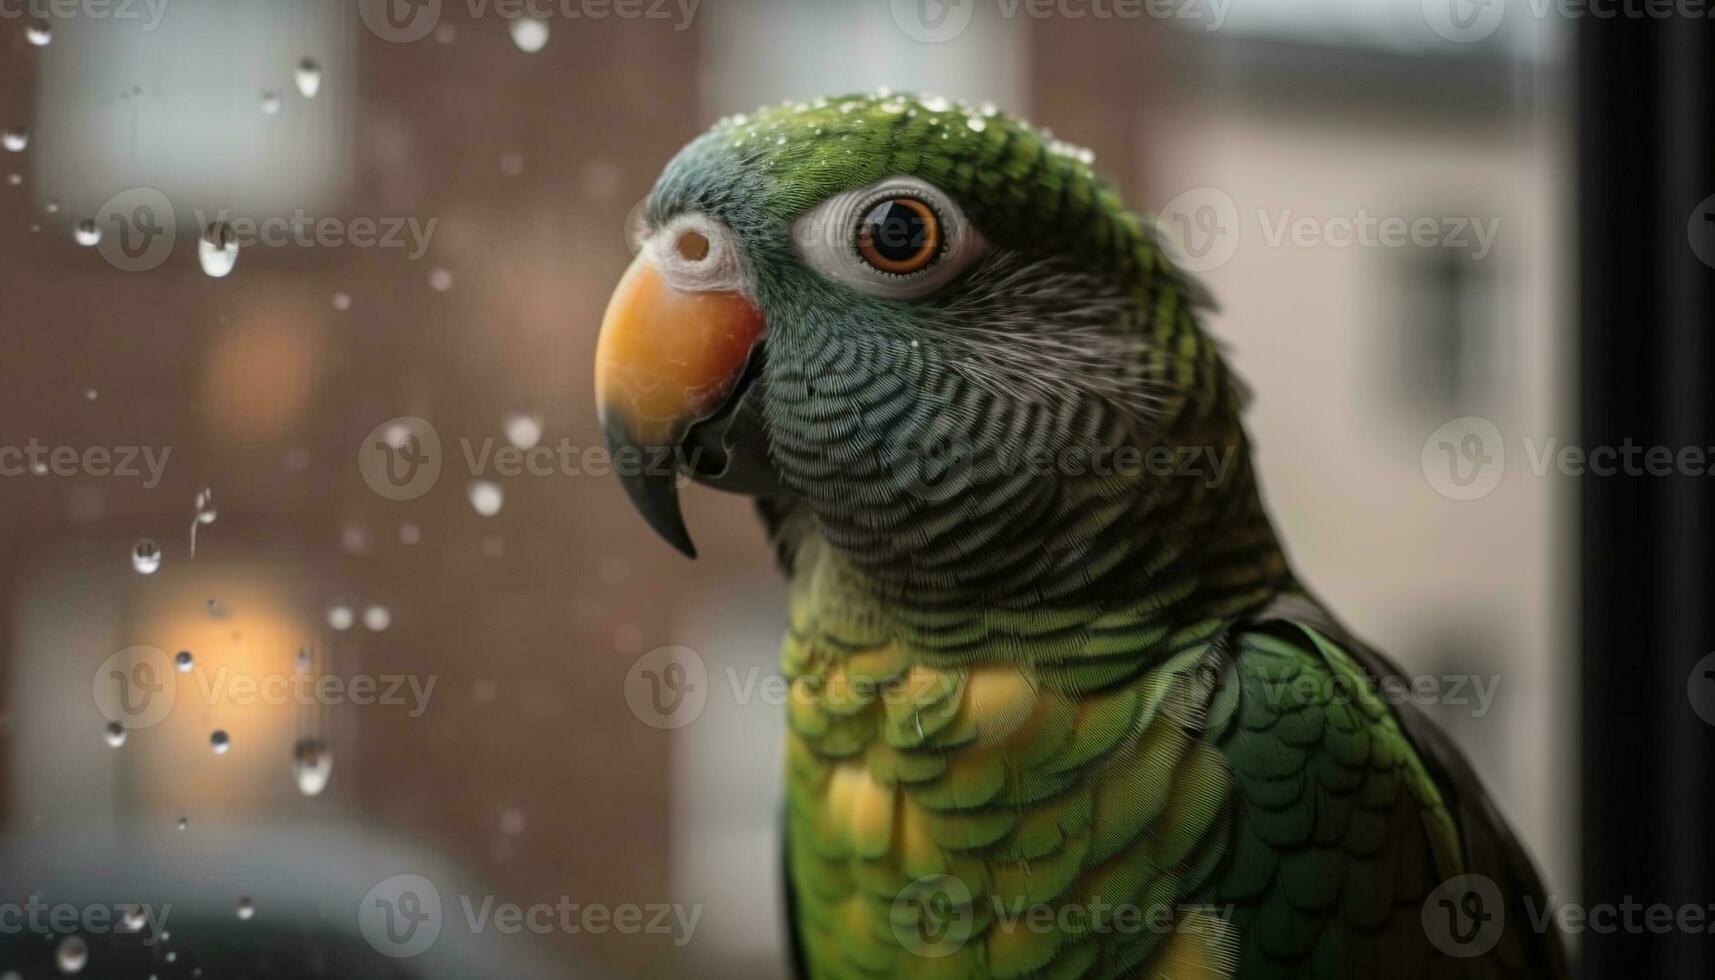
(666, 360)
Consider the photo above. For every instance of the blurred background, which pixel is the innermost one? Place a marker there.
(239, 239)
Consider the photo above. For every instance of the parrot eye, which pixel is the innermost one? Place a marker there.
(900, 235)
(901, 238)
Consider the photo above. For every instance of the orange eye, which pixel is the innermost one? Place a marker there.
(900, 235)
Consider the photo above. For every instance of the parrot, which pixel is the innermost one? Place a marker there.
(1057, 704)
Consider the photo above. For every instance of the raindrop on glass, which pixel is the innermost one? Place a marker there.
(220, 741)
(133, 919)
(115, 734)
(530, 34)
(146, 556)
(523, 429)
(312, 765)
(184, 661)
(14, 139)
(486, 497)
(86, 233)
(39, 34)
(377, 618)
(341, 617)
(72, 955)
(218, 250)
(270, 103)
(440, 279)
(309, 78)
(206, 512)
(246, 908)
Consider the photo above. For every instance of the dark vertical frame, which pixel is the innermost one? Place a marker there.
(1646, 144)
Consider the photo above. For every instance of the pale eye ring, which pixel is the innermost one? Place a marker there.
(900, 238)
(899, 235)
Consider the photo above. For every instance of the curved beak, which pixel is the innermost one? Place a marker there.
(667, 359)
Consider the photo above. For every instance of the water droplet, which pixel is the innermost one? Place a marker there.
(115, 734)
(39, 34)
(486, 496)
(14, 179)
(377, 618)
(342, 301)
(530, 34)
(309, 78)
(340, 617)
(172, 956)
(72, 955)
(183, 824)
(440, 279)
(977, 124)
(524, 430)
(86, 233)
(184, 662)
(305, 660)
(14, 138)
(218, 250)
(219, 741)
(206, 512)
(90, 394)
(246, 909)
(512, 822)
(410, 534)
(270, 103)
(146, 556)
(312, 765)
(134, 918)
(52, 207)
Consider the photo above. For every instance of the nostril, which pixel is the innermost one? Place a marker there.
(694, 246)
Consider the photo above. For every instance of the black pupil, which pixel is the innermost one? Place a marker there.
(896, 231)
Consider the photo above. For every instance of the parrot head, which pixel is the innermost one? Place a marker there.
(917, 322)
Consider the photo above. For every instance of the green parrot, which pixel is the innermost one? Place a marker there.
(1058, 706)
